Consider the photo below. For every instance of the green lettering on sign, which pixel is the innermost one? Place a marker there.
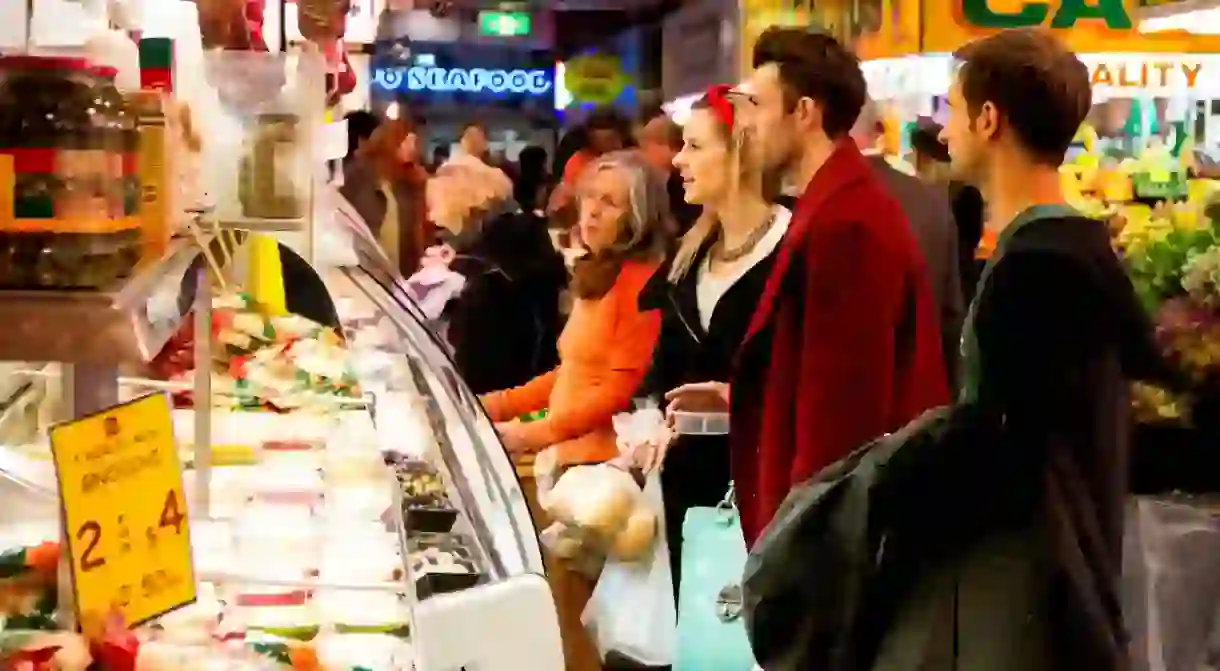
(979, 13)
(1111, 12)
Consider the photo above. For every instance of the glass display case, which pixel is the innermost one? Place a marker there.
(386, 531)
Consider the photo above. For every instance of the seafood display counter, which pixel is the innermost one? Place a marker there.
(353, 508)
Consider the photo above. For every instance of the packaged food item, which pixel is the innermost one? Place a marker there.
(194, 624)
(363, 611)
(269, 181)
(420, 481)
(429, 516)
(298, 621)
(440, 563)
(601, 500)
(701, 423)
(285, 652)
(346, 651)
(58, 227)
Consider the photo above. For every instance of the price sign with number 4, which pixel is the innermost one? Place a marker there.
(124, 511)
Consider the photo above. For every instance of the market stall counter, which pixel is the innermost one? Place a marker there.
(352, 509)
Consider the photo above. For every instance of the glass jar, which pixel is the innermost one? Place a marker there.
(270, 180)
(58, 228)
(123, 144)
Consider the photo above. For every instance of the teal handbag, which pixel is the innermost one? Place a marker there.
(711, 632)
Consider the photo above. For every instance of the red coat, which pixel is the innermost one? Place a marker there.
(844, 345)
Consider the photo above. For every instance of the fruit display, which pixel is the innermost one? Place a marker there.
(1172, 253)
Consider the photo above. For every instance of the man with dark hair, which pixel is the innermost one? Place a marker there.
(473, 140)
(844, 344)
(1022, 529)
(660, 139)
(605, 130)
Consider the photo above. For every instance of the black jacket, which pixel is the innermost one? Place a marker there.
(505, 324)
(931, 220)
(985, 536)
(696, 472)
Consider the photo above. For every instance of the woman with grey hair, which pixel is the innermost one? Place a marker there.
(604, 352)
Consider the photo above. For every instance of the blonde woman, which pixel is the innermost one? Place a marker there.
(707, 294)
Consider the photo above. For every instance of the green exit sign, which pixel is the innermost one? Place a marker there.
(504, 24)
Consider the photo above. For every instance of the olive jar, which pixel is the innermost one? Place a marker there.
(270, 179)
(123, 145)
(59, 223)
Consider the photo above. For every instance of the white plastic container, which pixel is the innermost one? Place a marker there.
(701, 423)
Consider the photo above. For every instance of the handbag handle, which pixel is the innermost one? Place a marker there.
(727, 508)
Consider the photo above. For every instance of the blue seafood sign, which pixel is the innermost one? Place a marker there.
(470, 80)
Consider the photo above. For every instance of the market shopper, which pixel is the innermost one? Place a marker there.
(927, 210)
(473, 141)
(504, 324)
(707, 291)
(604, 353)
(385, 184)
(844, 344)
(931, 164)
(660, 139)
(1048, 339)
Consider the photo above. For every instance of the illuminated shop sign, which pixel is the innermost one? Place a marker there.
(469, 80)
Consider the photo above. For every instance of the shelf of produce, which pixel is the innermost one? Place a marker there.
(127, 323)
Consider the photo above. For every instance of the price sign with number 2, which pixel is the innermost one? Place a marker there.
(124, 511)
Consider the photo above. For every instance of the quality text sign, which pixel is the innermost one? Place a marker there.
(124, 511)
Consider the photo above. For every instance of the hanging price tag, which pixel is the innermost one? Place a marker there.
(124, 511)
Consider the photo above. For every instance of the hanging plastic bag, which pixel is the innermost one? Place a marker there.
(1171, 583)
(631, 612)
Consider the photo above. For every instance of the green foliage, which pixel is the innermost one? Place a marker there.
(1157, 269)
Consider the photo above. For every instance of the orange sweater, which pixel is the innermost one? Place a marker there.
(604, 352)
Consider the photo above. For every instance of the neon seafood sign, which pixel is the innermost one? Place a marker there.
(469, 80)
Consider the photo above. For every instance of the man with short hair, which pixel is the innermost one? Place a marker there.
(660, 139)
(844, 344)
(1022, 530)
(927, 210)
(604, 131)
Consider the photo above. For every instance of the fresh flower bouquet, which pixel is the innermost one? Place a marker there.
(1173, 259)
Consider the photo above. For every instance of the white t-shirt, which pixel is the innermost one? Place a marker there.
(710, 287)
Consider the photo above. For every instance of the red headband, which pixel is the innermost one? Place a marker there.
(718, 102)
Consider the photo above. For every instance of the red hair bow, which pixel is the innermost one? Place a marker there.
(718, 102)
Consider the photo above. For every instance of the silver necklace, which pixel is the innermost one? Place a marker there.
(723, 255)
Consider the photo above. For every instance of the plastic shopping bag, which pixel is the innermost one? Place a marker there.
(711, 632)
(631, 612)
(1171, 583)
(434, 284)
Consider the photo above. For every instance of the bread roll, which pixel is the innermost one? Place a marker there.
(635, 539)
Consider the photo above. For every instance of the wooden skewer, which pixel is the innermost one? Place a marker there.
(204, 246)
(218, 234)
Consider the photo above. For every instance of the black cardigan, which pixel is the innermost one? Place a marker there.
(696, 472)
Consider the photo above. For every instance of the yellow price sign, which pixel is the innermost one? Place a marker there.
(124, 511)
